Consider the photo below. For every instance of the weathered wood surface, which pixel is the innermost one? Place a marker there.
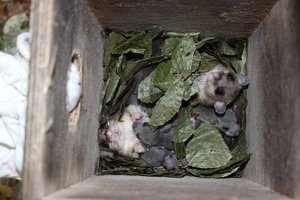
(230, 18)
(57, 156)
(146, 188)
(273, 113)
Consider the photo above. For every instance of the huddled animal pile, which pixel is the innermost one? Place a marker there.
(131, 136)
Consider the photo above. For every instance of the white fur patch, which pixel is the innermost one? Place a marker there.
(73, 87)
(127, 144)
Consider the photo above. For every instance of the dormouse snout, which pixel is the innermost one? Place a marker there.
(220, 91)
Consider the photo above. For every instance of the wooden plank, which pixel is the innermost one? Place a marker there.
(57, 157)
(273, 113)
(58, 154)
(135, 187)
(228, 18)
(41, 30)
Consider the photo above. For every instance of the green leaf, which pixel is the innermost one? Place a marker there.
(179, 148)
(188, 88)
(103, 107)
(121, 97)
(115, 66)
(204, 41)
(139, 44)
(239, 158)
(112, 85)
(194, 88)
(207, 62)
(194, 36)
(131, 67)
(207, 149)
(2, 43)
(147, 91)
(230, 168)
(196, 61)
(154, 31)
(183, 130)
(182, 51)
(182, 64)
(223, 48)
(240, 151)
(235, 162)
(129, 34)
(163, 77)
(110, 43)
(239, 45)
(182, 56)
(217, 174)
(119, 165)
(239, 65)
(169, 45)
(174, 34)
(118, 64)
(168, 105)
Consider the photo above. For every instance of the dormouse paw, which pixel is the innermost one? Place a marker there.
(138, 148)
(220, 107)
(137, 114)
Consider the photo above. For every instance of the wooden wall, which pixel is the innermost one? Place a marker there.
(58, 154)
(230, 18)
(274, 100)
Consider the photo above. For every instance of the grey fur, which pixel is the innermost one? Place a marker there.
(147, 136)
(155, 156)
(160, 137)
(171, 162)
(226, 123)
(105, 152)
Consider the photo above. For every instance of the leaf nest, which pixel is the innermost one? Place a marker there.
(178, 57)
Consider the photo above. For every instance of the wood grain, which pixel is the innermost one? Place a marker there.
(56, 154)
(228, 18)
(149, 188)
(273, 113)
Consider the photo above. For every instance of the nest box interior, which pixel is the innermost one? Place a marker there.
(60, 158)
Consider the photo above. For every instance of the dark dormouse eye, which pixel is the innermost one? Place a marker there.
(225, 128)
(220, 91)
(138, 135)
(230, 77)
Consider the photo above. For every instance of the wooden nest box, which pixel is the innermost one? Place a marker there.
(62, 150)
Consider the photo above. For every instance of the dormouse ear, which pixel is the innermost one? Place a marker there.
(220, 107)
(242, 80)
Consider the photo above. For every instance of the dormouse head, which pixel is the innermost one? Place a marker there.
(220, 85)
(228, 124)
